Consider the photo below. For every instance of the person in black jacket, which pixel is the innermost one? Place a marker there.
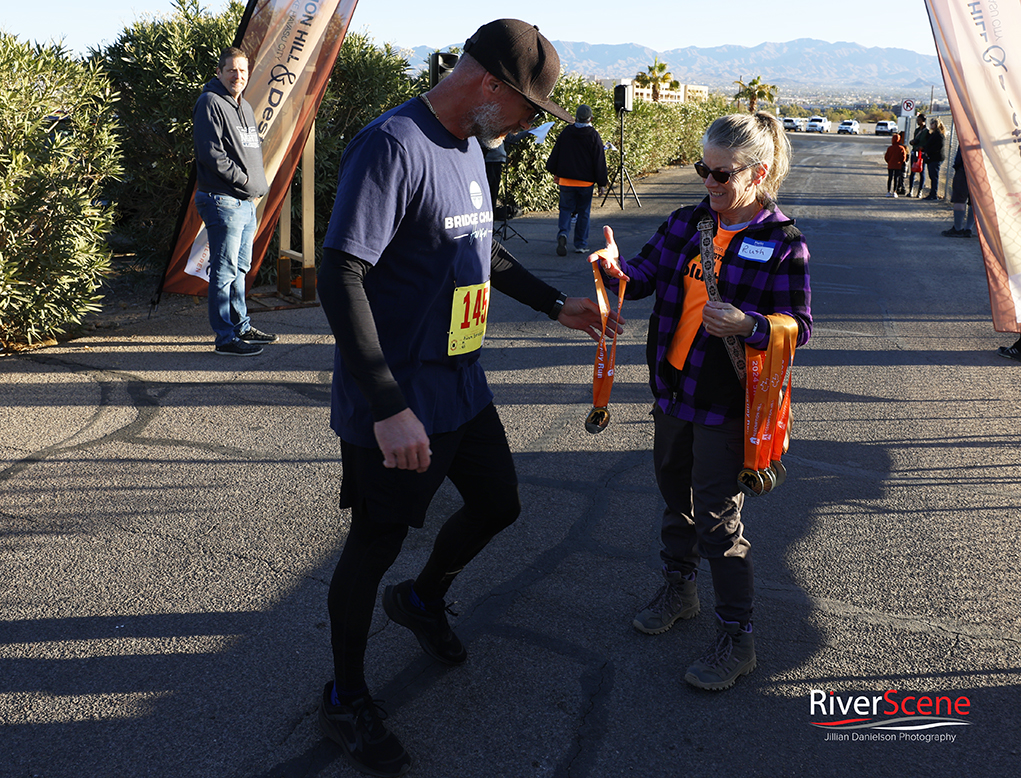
(229, 178)
(578, 160)
(933, 153)
(917, 144)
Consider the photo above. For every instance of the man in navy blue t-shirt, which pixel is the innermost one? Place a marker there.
(408, 264)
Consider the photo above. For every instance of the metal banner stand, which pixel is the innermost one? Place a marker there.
(306, 258)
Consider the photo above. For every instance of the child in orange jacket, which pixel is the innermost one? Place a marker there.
(896, 157)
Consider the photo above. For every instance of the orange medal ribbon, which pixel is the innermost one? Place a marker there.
(602, 373)
(768, 407)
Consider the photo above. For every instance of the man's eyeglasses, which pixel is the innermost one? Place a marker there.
(723, 176)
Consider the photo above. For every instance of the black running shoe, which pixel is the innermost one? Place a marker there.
(430, 626)
(1010, 352)
(359, 730)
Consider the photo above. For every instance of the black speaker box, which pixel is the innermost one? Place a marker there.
(440, 65)
(624, 97)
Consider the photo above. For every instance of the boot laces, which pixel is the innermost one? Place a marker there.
(719, 652)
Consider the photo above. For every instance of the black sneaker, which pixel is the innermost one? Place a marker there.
(561, 245)
(1010, 352)
(238, 348)
(252, 335)
(359, 730)
(430, 626)
(953, 232)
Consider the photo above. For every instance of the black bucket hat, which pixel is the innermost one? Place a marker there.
(520, 56)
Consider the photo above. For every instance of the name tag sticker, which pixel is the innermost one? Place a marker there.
(756, 250)
(468, 319)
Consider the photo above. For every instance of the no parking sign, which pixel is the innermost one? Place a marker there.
(908, 106)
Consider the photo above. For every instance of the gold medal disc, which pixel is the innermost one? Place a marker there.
(597, 420)
(750, 482)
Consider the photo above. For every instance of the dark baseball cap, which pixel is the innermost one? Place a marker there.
(520, 56)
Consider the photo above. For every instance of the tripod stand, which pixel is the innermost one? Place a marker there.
(621, 172)
(504, 232)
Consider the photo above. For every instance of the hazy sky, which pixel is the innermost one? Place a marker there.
(408, 23)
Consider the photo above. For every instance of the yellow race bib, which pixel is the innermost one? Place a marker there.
(468, 319)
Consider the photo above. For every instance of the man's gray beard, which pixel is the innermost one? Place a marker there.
(486, 125)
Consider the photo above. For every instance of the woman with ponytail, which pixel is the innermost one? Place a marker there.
(760, 265)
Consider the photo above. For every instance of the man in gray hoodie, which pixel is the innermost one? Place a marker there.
(229, 179)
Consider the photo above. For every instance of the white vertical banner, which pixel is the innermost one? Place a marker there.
(979, 47)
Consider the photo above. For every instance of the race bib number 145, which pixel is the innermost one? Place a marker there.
(468, 319)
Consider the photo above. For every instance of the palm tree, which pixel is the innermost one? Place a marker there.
(754, 91)
(657, 75)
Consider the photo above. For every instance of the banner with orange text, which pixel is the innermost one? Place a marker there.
(979, 47)
(291, 47)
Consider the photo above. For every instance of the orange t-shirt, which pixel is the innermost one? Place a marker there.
(695, 298)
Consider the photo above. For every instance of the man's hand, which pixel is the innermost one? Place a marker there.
(403, 441)
(580, 313)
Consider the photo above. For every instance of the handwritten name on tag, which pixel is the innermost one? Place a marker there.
(756, 250)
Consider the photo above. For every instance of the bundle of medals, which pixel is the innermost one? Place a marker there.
(602, 373)
(768, 408)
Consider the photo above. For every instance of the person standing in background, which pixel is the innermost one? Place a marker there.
(917, 144)
(229, 180)
(896, 157)
(578, 160)
(964, 216)
(933, 154)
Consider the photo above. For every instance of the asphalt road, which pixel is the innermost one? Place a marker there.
(169, 528)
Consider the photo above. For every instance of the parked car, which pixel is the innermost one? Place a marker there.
(849, 127)
(886, 128)
(795, 123)
(819, 124)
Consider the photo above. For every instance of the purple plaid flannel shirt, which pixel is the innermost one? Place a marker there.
(707, 390)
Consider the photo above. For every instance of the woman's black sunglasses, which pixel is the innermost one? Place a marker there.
(723, 176)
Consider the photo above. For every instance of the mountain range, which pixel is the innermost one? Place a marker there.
(796, 65)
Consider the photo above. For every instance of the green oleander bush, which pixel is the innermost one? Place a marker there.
(58, 149)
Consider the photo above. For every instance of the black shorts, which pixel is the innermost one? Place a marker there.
(476, 457)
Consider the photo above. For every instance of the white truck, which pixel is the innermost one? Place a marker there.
(795, 123)
(819, 124)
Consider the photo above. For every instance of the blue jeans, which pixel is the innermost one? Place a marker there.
(575, 199)
(230, 227)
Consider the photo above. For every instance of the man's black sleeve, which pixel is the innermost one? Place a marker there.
(341, 289)
(514, 280)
